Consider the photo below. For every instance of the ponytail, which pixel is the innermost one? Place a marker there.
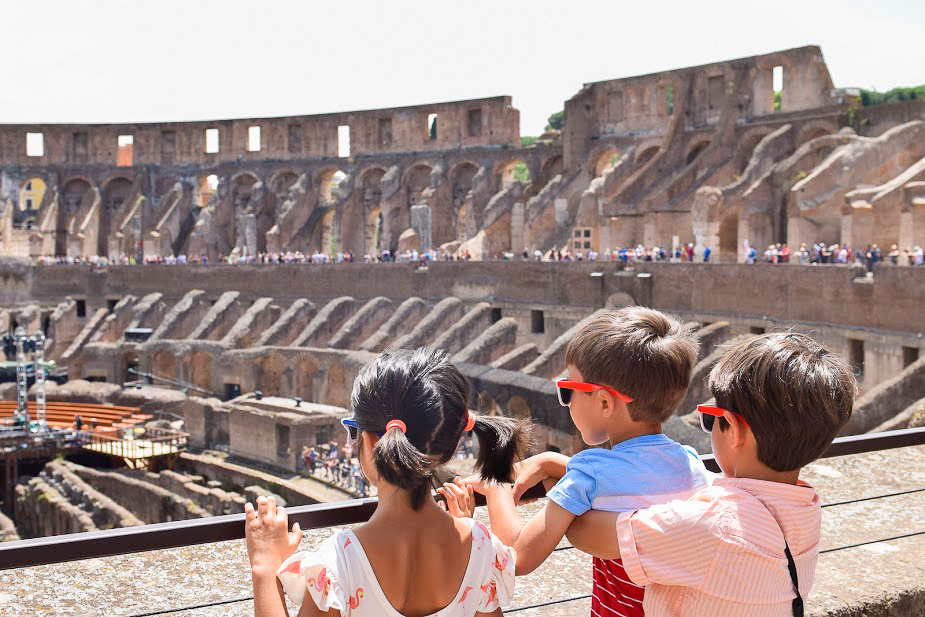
(502, 442)
(399, 463)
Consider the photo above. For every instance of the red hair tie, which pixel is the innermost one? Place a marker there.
(396, 424)
(470, 424)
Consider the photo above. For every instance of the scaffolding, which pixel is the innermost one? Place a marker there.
(28, 349)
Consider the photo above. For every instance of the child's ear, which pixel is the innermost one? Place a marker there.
(737, 430)
(607, 404)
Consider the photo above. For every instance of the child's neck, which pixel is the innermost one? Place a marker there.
(395, 506)
(755, 470)
(625, 432)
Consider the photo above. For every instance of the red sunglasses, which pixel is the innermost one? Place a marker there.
(564, 388)
(709, 414)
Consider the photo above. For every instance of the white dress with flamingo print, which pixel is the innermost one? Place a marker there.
(338, 575)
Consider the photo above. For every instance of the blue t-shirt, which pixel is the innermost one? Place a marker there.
(636, 473)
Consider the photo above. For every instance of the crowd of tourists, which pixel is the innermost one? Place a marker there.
(780, 253)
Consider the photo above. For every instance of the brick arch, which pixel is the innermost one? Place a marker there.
(324, 178)
(746, 146)
(503, 171)
(599, 159)
(696, 149)
(812, 130)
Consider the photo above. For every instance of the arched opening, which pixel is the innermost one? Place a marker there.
(512, 172)
(551, 168)
(604, 160)
(241, 191)
(328, 183)
(646, 155)
(812, 133)
(281, 183)
(72, 197)
(269, 377)
(31, 194)
(164, 364)
(200, 368)
(416, 181)
(696, 151)
(745, 149)
(115, 193)
(461, 178)
(206, 186)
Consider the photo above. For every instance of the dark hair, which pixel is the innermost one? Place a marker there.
(794, 393)
(641, 352)
(426, 392)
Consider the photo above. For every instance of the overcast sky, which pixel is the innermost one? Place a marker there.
(143, 60)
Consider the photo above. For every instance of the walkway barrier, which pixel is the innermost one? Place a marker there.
(71, 547)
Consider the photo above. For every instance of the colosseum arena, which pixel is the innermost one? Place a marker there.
(206, 293)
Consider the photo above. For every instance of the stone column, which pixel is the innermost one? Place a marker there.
(247, 233)
(421, 224)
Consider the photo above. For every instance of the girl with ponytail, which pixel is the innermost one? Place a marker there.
(412, 557)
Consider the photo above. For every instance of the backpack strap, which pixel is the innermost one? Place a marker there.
(798, 601)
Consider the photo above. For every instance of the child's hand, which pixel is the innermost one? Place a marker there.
(530, 471)
(268, 543)
(460, 501)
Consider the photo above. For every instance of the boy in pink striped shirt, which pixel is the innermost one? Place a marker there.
(748, 544)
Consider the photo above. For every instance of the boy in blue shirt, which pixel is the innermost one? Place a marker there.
(628, 370)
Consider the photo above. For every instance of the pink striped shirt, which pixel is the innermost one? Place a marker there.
(721, 552)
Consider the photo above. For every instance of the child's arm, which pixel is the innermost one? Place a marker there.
(533, 541)
(539, 468)
(268, 544)
(595, 533)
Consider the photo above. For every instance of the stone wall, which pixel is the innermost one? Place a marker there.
(792, 293)
(147, 501)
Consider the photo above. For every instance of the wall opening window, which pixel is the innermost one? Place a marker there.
(756, 330)
(35, 144)
(537, 322)
(856, 355)
(282, 440)
(385, 131)
(253, 139)
(111, 304)
(211, 141)
(343, 141)
(910, 355)
(295, 138)
(79, 146)
(432, 126)
(495, 315)
(777, 84)
(232, 390)
(81, 308)
(168, 145)
(669, 100)
(474, 117)
(125, 155)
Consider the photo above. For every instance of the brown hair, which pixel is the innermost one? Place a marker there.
(640, 352)
(794, 393)
(429, 395)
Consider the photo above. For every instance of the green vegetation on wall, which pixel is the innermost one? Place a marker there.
(872, 97)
